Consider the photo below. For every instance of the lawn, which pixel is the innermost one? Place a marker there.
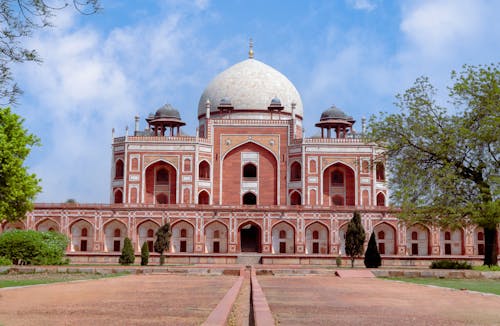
(20, 279)
(479, 285)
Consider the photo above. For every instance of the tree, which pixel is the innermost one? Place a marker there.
(18, 21)
(18, 188)
(354, 237)
(162, 241)
(145, 254)
(372, 256)
(127, 257)
(34, 247)
(445, 164)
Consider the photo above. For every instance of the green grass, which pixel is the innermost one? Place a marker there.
(479, 285)
(483, 268)
(10, 280)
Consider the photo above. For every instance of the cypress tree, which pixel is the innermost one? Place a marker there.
(355, 237)
(127, 257)
(144, 254)
(372, 256)
(162, 241)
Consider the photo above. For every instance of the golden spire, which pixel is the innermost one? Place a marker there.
(250, 51)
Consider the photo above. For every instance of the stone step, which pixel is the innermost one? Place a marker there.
(249, 259)
(354, 273)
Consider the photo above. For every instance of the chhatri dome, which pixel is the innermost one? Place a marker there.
(250, 87)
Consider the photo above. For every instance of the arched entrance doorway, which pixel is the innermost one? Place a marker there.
(250, 238)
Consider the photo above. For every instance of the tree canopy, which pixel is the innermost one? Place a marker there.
(18, 20)
(162, 241)
(18, 188)
(444, 163)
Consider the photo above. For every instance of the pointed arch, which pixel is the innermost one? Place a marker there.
(160, 178)
(119, 169)
(182, 236)
(295, 198)
(418, 240)
(47, 224)
(113, 239)
(385, 235)
(82, 235)
(317, 238)
(339, 182)
(146, 231)
(118, 196)
(381, 199)
(250, 234)
(295, 171)
(235, 174)
(204, 170)
(249, 198)
(203, 197)
(216, 234)
(283, 238)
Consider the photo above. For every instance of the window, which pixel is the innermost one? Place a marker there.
(315, 235)
(117, 233)
(162, 176)
(183, 233)
(295, 172)
(480, 236)
(381, 235)
(380, 172)
(118, 197)
(249, 199)
(119, 169)
(282, 234)
(151, 233)
(216, 234)
(204, 171)
(414, 235)
(249, 171)
(380, 199)
(447, 235)
(337, 178)
(84, 232)
(295, 199)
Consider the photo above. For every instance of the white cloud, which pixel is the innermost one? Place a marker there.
(367, 5)
(88, 84)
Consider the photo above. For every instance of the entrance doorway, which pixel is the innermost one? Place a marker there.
(250, 238)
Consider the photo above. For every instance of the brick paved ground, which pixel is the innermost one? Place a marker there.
(128, 300)
(329, 300)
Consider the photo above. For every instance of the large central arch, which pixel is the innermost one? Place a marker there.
(161, 184)
(250, 237)
(264, 182)
(339, 186)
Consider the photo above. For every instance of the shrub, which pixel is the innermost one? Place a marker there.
(4, 261)
(33, 247)
(372, 256)
(450, 264)
(162, 241)
(127, 257)
(144, 254)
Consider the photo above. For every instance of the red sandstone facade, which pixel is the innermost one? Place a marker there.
(249, 181)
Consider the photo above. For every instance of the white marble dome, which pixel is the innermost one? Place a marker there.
(251, 85)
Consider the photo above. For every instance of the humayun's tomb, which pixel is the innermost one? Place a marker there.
(249, 181)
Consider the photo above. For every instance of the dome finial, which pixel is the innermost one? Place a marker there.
(250, 51)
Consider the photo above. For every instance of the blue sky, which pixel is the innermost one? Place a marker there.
(100, 71)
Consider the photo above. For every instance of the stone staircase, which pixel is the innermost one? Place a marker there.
(249, 259)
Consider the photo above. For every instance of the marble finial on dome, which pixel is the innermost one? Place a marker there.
(250, 49)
